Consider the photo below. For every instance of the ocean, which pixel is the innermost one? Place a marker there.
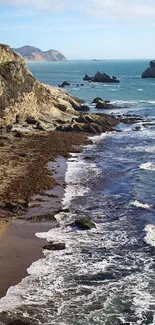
(106, 275)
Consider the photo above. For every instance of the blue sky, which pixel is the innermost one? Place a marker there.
(83, 29)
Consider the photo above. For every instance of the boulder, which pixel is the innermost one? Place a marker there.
(55, 246)
(149, 72)
(84, 224)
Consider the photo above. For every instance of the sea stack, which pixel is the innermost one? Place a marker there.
(149, 72)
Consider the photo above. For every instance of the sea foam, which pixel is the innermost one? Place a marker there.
(147, 166)
(150, 234)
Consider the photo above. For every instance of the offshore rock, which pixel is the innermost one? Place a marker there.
(101, 77)
(87, 78)
(149, 72)
(65, 83)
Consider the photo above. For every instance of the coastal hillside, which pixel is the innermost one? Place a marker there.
(31, 53)
(23, 99)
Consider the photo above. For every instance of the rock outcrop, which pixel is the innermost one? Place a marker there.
(84, 224)
(23, 99)
(149, 72)
(101, 77)
(21, 95)
(31, 53)
(102, 104)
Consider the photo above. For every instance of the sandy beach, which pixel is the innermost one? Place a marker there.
(32, 177)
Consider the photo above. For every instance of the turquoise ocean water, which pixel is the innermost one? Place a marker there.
(106, 275)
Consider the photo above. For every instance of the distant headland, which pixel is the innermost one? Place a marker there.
(31, 53)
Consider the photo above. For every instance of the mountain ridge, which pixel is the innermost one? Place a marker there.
(31, 53)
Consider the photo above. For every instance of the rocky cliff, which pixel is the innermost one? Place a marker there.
(23, 99)
(31, 53)
(149, 72)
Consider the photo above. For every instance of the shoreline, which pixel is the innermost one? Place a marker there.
(19, 245)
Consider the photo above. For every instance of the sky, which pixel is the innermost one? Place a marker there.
(81, 29)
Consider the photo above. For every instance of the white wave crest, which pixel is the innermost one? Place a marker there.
(150, 234)
(147, 166)
(141, 205)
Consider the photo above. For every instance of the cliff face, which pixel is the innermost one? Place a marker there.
(21, 94)
(31, 53)
(23, 99)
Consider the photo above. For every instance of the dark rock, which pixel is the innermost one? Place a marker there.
(18, 322)
(26, 155)
(31, 120)
(64, 128)
(84, 108)
(152, 64)
(103, 77)
(39, 127)
(137, 128)
(82, 85)
(9, 128)
(63, 210)
(101, 104)
(62, 107)
(77, 85)
(84, 224)
(2, 143)
(18, 134)
(87, 78)
(149, 72)
(18, 118)
(65, 83)
(44, 217)
(129, 120)
(96, 99)
(55, 246)
(91, 158)
(14, 207)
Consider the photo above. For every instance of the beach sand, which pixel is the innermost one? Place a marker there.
(36, 183)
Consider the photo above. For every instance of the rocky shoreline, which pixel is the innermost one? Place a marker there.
(24, 173)
(38, 124)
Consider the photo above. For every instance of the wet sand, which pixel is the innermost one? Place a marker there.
(38, 181)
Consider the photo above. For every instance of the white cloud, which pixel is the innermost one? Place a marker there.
(122, 8)
(104, 8)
